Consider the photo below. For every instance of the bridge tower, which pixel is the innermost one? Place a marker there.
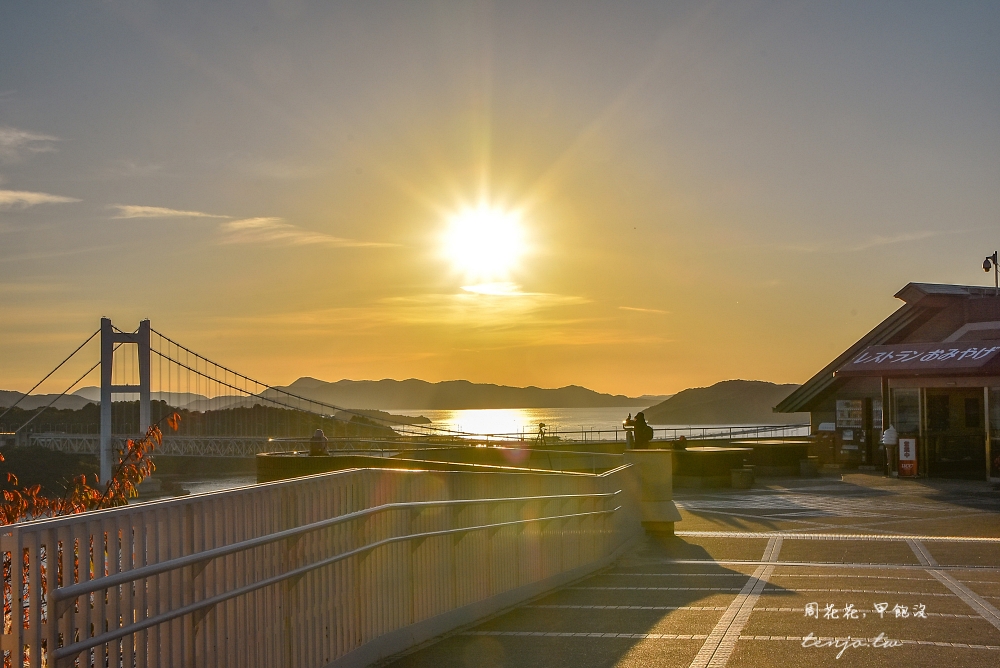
(110, 337)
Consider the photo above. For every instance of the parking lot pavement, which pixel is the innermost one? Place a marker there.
(858, 571)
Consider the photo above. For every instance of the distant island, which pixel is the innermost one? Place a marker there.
(70, 401)
(372, 397)
(727, 402)
(416, 394)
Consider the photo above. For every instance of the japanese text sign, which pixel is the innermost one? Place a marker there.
(920, 357)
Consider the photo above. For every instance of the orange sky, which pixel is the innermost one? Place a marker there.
(708, 192)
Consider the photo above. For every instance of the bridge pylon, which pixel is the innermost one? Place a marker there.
(109, 338)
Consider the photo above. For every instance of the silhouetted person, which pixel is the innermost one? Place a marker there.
(629, 425)
(317, 444)
(643, 432)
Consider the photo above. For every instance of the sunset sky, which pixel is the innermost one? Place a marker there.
(697, 191)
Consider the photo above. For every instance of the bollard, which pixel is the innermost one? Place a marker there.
(655, 472)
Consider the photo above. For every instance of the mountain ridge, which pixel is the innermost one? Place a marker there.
(726, 402)
(382, 395)
(415, 394)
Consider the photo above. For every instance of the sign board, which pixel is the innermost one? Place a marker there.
(916, 358)
(907, 457)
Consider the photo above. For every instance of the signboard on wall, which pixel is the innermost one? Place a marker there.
(850, 414)
(916, 358)
(907, 457)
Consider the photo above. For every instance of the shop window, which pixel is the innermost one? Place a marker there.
(973, 416)
(907, 411)
(937, 413)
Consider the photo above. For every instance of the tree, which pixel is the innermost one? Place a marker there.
(20, 504)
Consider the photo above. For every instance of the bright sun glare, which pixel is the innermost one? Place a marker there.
(485, 243)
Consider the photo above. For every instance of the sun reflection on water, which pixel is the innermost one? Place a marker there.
(525, 420)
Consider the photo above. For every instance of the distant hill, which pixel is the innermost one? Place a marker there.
(728, 402)
(72, 402)
(175, 399)
(378, 395)
(416, 394)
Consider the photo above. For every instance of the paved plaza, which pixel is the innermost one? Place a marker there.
(852, 571)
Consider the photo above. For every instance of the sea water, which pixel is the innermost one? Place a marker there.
(526, 420)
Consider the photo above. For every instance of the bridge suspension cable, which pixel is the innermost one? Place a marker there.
(248, 390)
(49, 374)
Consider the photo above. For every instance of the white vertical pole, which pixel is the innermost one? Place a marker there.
(143, 342)
(107, 361)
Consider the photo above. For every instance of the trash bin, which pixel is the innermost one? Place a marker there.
(742, 478)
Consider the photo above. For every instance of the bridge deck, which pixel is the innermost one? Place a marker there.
(733, 588)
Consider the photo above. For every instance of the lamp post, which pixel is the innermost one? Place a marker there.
(991, 263)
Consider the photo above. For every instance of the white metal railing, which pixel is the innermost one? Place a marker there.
(248, 446)
(295, 573)
(190, 446)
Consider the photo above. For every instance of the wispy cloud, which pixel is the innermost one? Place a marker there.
(131, 211)
(15, 144)
(22, 199)
(864, 245)
(130, 169)
(642, 310)
(878, 240)
(278, 231)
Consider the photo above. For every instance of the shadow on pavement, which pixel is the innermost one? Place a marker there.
(644, 592)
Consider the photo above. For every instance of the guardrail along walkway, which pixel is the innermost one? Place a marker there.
(863, 571)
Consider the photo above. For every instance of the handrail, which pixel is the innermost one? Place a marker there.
(122, 577)
(76, 648)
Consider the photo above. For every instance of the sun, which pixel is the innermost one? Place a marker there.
(485, 243)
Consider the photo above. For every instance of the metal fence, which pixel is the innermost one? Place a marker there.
(691, 432)
(188, 446)
(239, 446)
(305, 572)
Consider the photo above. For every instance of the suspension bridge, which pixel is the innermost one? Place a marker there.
(146, 375)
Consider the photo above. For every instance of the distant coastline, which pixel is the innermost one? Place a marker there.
(726, 402)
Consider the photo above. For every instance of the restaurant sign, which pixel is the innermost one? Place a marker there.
(916, 358)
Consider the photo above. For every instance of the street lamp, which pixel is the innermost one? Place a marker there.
(991, 263)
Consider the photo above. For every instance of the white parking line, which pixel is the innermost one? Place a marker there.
(712, 608)
(923, 556)
(827, 576)
(681, 575)
(955, 645)
(835, 536)
(857, 591)
(717, 589)
(721, 641)
(562, 634)
(697, 636)
(816, 564)
(974, 600)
